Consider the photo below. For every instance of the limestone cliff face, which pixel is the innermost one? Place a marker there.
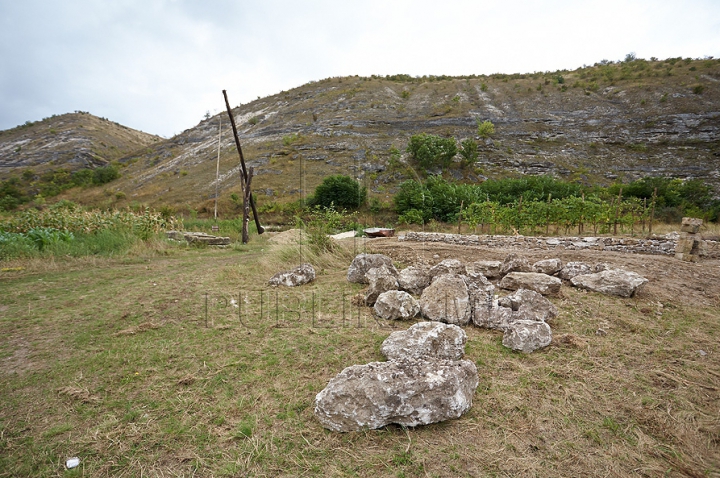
(610, 122)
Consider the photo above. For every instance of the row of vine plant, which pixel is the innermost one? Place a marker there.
(543, 206)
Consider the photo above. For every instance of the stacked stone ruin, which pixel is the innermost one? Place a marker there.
(688, 245)
(708, 247)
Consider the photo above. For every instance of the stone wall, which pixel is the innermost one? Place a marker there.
(663, 245)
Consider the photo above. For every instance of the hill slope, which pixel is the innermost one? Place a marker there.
(73, 141)
(609, 122)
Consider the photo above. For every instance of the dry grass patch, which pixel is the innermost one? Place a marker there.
(235, 398)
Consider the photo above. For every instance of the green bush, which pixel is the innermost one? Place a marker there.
(469, 151)
(431, 151)
(339, 191)
(485, 129)
(105, 174)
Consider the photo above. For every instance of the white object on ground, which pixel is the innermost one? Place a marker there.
(72, 462)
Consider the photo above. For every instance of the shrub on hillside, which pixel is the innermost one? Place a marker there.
(485, 129)
(431, 151)
(340, 191)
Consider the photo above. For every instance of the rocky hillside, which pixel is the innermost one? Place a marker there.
(609, 122)
(71, 141)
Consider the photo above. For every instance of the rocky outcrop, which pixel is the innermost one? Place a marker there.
(447, 266)
(396, 304)
(490, 269)
(529, 305)
(413, 280)
(446, 300)
(541, 283)
(527, 336)
(515, 263)
(548, 266)
(363, 263)
(302, 274)
(407, 392)
(381, 279)
(611, 282)
(426, 341)
(573, 269)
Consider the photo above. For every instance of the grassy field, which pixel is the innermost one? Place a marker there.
(141, 365)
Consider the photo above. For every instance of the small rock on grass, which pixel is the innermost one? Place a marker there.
(407, 392)
(362, 263)
(527, 336)
(302, 274)
(396, 304)
(426, 340)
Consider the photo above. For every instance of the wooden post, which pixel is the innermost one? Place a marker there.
(246, 207)
(243, 170)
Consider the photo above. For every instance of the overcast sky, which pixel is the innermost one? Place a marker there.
(159, 65)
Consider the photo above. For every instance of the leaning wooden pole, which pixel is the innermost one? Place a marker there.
(260, 229)
(246, 208)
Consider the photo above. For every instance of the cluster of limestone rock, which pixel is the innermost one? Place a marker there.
(425, 380)
(458, 293)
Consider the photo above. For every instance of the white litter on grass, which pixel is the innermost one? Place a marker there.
(344, 235)
(72, 462)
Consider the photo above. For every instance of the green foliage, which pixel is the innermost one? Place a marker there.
(105, 174)
(485, 129)
(339, 191)
(254, 120)
(324, 221)
(698, 89)
(431, 151)
(469, 151)
(290, 139)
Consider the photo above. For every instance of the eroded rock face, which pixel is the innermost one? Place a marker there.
(492, 316)
(541, 283)
(548, 266)
(515, 263)
(427, 341)
(446, 300)
(573, 269)
(396, 304)
(527, 336)
(406, 392)
(490, 269)
(302, 274)
(479, 288)
(529, 305)
(363, 263)
(381, 279)
(413, 279)
(611, 282)
(447, 266)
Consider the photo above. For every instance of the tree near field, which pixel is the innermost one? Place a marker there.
(431, 151)
(339, 191)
